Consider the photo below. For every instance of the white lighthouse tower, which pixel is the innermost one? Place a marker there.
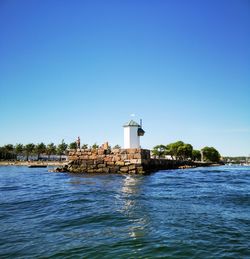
(132, 133)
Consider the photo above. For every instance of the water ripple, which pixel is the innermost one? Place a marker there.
(194, 213)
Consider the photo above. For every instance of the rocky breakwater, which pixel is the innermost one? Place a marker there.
(134, 161)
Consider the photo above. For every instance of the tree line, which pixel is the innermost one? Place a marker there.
(184, 151)
(10, 151)
(177, 150)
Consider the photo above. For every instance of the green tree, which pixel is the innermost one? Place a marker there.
(172, 149)
(19, 149)
(73, 145)
(9, 148)
(50, 149)
(29, 149)
(210, 154)
(61, 148)
(95, 146)
(7, 152)
(85, 146)
(159, 150)
(40, 148)
(184, 151)
(179, 150)
(2, 153)
(169, 151)
(196, 155)
(117, 147)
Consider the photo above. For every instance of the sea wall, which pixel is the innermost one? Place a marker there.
(156, 164)
(108, 161)
(134, 161)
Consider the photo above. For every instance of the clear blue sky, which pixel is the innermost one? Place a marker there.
(70, 68)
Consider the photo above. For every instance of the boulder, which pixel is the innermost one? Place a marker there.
(124, 169)
(120, 163)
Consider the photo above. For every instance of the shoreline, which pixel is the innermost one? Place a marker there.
(62, 166)
(27, 163)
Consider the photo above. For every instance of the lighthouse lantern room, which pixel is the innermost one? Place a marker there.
(132, 133)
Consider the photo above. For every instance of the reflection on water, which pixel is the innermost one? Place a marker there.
(131, 184)
(133, 206)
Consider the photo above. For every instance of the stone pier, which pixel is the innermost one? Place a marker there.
(108, 161)
(132, 161)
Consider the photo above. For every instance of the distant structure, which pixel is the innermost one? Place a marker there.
(105, 146)
(78, 143)
(132, 133)
(202, 156)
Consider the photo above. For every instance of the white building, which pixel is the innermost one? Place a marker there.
(132, 133)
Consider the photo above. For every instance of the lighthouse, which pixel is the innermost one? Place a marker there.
(132, 133)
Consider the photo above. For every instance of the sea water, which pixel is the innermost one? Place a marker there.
(192, 213)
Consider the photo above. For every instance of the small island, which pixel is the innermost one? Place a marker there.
(131, 159)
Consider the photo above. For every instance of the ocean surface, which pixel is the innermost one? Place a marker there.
(192, 213)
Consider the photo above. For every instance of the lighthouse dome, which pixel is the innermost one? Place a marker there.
(131, 124)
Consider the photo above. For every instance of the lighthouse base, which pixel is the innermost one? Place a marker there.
(130, 161)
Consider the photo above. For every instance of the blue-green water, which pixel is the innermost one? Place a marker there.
(194, 213)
